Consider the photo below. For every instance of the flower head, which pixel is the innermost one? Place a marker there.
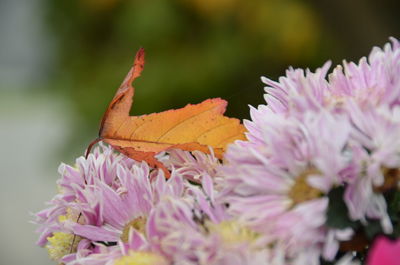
(279, 185)
(374, 80)
(101, 200)
(193, 165)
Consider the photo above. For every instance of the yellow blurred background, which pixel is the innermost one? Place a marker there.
(62, 60)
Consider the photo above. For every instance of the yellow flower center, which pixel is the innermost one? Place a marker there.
(61, 244)
(301, 191)
(138, 223)
(232, 232)
(141, 258)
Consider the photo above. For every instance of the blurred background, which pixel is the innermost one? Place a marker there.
(61, 62)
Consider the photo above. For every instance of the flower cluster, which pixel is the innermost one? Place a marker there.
(317, 182)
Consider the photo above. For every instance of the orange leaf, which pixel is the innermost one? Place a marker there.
(193, 127)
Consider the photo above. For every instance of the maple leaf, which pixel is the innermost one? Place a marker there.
(193, 127)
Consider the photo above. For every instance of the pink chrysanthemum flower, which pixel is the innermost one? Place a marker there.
(101, 164)
(100, 201)
(200, 232)
(189, 237)
(376, 131)
(138, 249)
(203, 233)
(110, 211)
(354, 144)
(298, 91)
(295, 94)
(193, 165)
(135, 251)
(279, 187)
(374, 80)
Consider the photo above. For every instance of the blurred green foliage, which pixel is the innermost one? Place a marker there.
(196, 49)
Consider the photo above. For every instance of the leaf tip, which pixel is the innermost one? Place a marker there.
(140, 53)
(138, 64)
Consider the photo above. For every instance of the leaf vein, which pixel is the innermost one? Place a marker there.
(211, 129)
(228, 137)
(119, 127)
(184, 120)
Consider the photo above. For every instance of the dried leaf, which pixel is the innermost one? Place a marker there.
(193, 127)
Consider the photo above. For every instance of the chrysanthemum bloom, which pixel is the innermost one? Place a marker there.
(298, 92)
(314, 135)
(376, 130)
(110, 211)
(136, 251)
(100, 165)
(190, 237)
(384, 252)
(375, 80)
(279, 186)
(108, 195)
(370, 94)
(193, 165)
(202, 233)
(100, 201)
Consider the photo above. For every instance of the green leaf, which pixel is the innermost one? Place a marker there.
(372, 229)
(337, 214)
(394, 205)
(394, 211)
(324, 262)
